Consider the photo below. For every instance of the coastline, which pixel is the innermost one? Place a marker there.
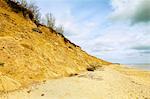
(113, 81)
(141, 66)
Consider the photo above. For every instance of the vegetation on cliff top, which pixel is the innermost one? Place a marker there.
(32, 11)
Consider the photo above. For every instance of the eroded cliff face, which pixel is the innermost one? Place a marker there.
(28, 56)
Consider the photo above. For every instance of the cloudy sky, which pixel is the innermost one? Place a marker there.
(114, 30)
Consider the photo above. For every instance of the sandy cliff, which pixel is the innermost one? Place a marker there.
(30, 54)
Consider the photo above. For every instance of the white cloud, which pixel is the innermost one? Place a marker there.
(77, 29)
(122, 43)
(117, 42)
(111, 41)
(132, 10)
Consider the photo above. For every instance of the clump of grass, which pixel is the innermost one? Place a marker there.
(27, 9)
(59, 29)
(49, 20)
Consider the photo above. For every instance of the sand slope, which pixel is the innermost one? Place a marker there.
(28, 57)
(104, 83)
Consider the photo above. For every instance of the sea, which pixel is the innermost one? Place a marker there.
(142, 66)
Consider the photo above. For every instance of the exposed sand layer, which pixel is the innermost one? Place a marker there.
(104, 83)
(28, 56)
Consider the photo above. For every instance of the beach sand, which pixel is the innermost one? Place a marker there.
(113, 82)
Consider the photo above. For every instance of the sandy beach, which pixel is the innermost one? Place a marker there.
(103, 83)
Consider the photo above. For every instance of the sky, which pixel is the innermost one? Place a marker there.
(114, 30)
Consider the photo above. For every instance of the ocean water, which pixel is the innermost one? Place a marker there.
(141, 66)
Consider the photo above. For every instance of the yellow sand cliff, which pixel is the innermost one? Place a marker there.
(28, 56)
